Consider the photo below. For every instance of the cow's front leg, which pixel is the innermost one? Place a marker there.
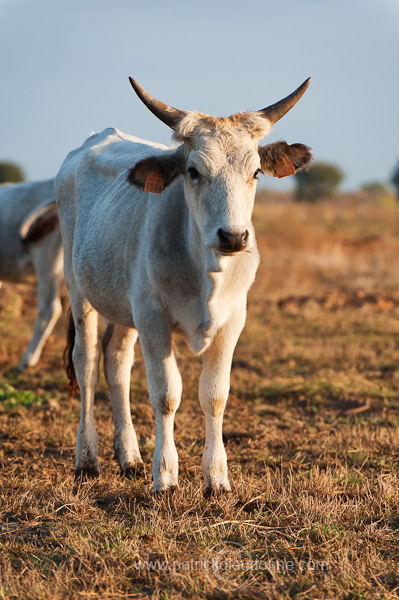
(213, 392)
(118, 347)
(165, 388)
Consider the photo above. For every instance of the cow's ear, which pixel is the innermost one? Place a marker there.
(280, 159)
(155, 173)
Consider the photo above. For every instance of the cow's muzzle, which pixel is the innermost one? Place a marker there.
(230, 243)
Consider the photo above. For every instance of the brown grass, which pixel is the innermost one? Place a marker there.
(311, 431)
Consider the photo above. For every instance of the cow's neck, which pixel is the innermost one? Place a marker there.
(210, 285)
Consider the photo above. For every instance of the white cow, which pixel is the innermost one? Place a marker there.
(31, 246)
(182, 261)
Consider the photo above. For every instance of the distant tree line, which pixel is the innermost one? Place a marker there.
(322, 181)
(11, 173)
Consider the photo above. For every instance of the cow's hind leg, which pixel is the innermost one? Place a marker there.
(118, 347)
(85, 357)
(48, 264)
(213, 391)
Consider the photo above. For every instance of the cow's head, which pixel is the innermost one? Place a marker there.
(220, 161)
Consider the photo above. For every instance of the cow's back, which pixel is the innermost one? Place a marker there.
(96, 172)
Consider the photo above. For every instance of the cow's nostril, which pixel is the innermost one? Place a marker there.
(232, 242)
(223, 236)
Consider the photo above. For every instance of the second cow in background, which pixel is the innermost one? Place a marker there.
(31, 249)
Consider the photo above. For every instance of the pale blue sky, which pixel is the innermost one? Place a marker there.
(64, 67)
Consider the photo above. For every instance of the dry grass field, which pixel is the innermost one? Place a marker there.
(311, 431)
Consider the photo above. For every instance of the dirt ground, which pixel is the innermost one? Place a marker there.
(311, 433)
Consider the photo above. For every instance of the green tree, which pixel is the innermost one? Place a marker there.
(11, 173)
(375, 188)
(395, 181)
(321, 181)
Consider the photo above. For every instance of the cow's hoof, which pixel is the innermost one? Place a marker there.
(84, 475)
(166, 492)
(216, 492)
(134, 471)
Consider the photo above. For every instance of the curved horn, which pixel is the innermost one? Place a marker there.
(274, 112)
(167, 114)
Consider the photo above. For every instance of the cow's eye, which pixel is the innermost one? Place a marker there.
(257, 172)
(194, 175)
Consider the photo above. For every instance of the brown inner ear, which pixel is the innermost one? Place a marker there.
(284, 167)
(281, 160)
(157, 171)
(139, 173)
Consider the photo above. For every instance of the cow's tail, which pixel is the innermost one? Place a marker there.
(67, 357)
